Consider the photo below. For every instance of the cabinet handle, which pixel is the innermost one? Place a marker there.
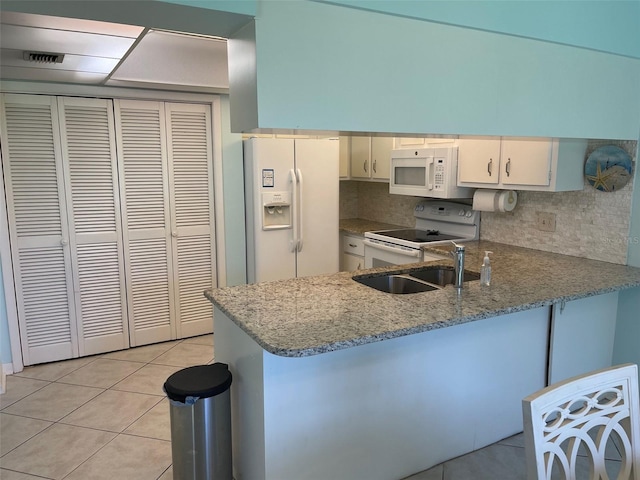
(64, 242)
(359, 267)
(364, 165)
(490, 166)
(352, 245)
(374, 166)
(507, 167)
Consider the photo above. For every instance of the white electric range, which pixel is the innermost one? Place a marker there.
(437, 223)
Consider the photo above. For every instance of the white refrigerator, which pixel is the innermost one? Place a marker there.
(291, 197)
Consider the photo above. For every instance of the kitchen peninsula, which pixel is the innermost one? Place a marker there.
(333, 379)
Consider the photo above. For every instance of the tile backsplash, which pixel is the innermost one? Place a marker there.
(589, 223)
(372, 201)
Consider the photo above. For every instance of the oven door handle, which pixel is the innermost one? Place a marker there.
(380, 246)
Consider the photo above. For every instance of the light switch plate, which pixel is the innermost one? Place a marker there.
(546, 221)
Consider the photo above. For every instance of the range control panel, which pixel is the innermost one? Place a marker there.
(446, 211)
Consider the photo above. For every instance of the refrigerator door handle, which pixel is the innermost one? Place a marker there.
(300, 209)
(293, 243)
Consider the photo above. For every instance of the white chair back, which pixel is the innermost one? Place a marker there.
(584, 411)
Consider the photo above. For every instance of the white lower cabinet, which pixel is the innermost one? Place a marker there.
(110, 222)
(352, 254)
(582, 336)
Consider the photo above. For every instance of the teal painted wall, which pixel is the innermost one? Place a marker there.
(233, 190)
(605, 25)
(5, 343)
(324, 67)
(627, 342)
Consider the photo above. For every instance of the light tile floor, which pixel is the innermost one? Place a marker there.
(99, 417)
(106, 417)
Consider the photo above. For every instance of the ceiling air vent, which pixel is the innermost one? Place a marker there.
(43, 57)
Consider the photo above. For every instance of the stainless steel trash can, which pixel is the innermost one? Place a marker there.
(201, 422)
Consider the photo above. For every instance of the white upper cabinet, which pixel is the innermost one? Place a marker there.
(541, 164)
(370, 157)
(345, 157)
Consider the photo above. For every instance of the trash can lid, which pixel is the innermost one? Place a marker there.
(201, 381)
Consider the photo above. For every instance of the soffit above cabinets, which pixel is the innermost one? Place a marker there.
(101, 53)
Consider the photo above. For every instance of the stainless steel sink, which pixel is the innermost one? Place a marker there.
(398, 284)
(442, 275)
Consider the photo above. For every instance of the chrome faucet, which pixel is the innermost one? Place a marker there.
(458, 264)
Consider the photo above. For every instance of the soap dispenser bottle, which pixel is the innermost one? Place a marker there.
(485, 270)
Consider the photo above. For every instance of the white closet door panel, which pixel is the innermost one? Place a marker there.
(191, 186)
(144, 182)
(150, 292)
(34, 184)
(194, 277)
(44, 309)
(101, 301)
(88, 136)
(143, 150)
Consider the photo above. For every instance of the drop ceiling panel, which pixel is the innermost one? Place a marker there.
(50, 40)
(71, 24)
(49, 75)
(169, 58)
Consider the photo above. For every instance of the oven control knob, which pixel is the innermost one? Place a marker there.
(469, 213)
(461, 213)
(419, 208)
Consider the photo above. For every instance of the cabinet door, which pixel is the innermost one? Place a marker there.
(582, 336)
(191, 192)
(360, 157)
(345, 156)
(479, 160)
(381, 157)
(351, 263)
(144, 184)
(93, 202)
(526, 162)
(38, 228)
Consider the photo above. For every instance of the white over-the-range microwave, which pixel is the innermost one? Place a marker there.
(426, 172)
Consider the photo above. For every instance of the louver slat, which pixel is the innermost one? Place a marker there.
(90, 170)
(194, 277)
(46, 315)
(190, 155)
(143, 168)
(149, 286)
(29, 131)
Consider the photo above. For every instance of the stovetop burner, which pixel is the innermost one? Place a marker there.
(418, 236)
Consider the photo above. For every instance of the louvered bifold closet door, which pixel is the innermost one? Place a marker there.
(191, 187)
(91, 175)
(32, 165)
(141, 133)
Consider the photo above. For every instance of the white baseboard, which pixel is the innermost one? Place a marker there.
(7, 369)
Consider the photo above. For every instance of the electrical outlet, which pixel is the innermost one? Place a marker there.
(546, 221)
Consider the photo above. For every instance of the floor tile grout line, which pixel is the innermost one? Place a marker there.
(32, 436)
(2, 409)
(91, 456)
(18, 471)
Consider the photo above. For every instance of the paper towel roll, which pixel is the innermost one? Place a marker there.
(494, 200)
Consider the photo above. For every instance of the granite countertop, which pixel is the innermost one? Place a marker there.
(313, 315)
(360, 225)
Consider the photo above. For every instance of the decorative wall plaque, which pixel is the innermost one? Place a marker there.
(608, 168)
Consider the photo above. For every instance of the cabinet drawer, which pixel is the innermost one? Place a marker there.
(353, 245)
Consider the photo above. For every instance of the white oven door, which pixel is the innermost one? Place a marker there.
(382, 255)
